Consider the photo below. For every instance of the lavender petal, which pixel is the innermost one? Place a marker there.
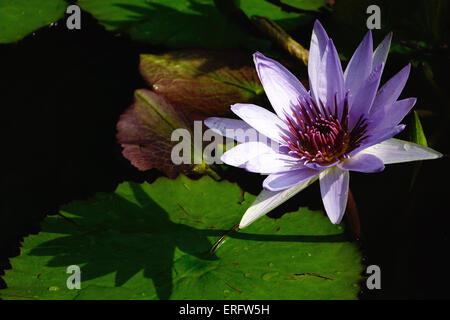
(381, 52)
(268, 200)
(398, 151)
(331, 78)
(391, 90)
(240, 154)
(284, 180)
(262, 120)
(389, 116)
(377, 137)
(364, 98)
(282, 88)
(334, 184)
(268, 163)
(360, 66)
(319, 40)
(235, 129)
(362, 162)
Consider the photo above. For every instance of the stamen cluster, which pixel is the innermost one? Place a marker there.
(318, 134)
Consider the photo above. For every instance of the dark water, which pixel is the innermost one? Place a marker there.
(61, 95)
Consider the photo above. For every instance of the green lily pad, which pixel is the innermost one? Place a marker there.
(289, 21)
(152, 241)
(181, 24)
(19, 18)
(313, 5)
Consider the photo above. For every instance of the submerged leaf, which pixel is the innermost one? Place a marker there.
(202, 83)
(144, 131)
(152, 241)
(187, 86)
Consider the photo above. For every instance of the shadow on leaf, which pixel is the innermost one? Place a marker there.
(111, 234)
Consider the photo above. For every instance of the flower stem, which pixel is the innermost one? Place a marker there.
(353, 216)
(203, 168)
(222, 238)
(273, 31)
(265, 26)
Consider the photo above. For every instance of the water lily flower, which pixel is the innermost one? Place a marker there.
(343, 123)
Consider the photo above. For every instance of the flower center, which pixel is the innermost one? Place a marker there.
(320, 135)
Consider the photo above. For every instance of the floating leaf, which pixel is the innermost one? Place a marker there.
(18, 18)
(181, 24)
(313, 5)
(289, 21)
(152, 241)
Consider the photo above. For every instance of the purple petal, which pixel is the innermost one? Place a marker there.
(363, 163)
(397, 151)
(389, 116)
(284, 180)
(334, 189)
(234, 129)
(268, 200)
(317, 166)
(240, 154)
(377, 137)
(267, 163)
(262, 120)
(282, 88)
(381, 52)
(391, 90)
(360, 66)
(319, 40)
(331, 78)
(364, 98)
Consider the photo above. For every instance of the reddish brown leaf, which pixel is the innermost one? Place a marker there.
(186, 85)
(144, 131)
(203, 83)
